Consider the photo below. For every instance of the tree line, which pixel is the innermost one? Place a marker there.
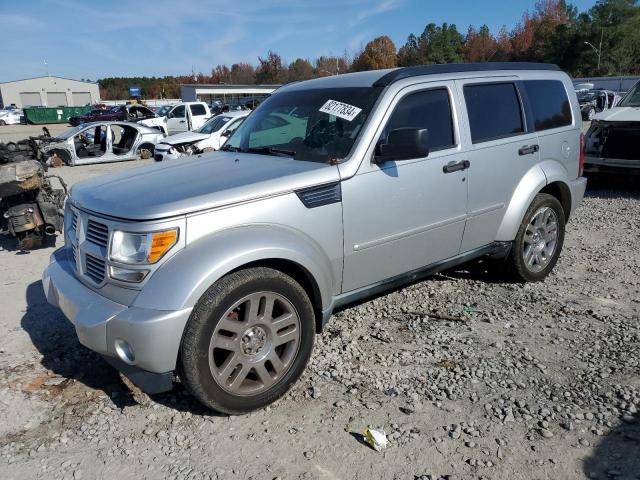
(605, 40)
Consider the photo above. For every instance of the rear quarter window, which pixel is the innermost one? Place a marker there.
(549, 102)
(198, 110)
(494, 111)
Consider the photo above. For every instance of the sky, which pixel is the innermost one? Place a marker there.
(92, 40)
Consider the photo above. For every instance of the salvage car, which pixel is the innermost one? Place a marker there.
(123, 113)
(211, 136)
(612, 142)
(596, 101)
(11, 116)
(100, 142)
(181, 117)
(221, 268)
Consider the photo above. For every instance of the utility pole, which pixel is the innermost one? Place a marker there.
(598, 51)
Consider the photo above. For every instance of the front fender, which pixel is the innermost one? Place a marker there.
(180, 282)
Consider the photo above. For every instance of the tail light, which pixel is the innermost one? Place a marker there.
(582, 155)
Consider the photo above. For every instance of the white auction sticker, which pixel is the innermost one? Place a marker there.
(339, 109)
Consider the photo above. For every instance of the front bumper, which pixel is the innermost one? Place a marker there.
(162, 155)
(153, 335)
(577, 188)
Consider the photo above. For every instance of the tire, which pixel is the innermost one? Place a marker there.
(145, 151)
(528, 260)
(220, 349)
(2, 123)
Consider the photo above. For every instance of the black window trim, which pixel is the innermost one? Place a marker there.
(523, 115)
(456, 136)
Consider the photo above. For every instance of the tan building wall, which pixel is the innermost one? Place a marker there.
(49, 92)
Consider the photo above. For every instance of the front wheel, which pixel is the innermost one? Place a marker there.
(539, 241)
(248, 340)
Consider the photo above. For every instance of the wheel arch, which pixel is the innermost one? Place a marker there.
(205, 261)
(547, 177)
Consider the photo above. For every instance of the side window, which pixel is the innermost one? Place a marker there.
(430, 109)
(197, 110)
(233, 127)
(494, 111)
(177, 112)
(549, 104)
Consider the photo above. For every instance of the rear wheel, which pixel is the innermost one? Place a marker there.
(2, 123)
(539, 241)
(248, 340)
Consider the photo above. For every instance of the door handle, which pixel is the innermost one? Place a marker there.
(181, 121)
(526, 150)
(456, 166)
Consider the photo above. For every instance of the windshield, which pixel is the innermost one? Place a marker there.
(214, 124)
(632, 98)
(318, 125)
(162, 111)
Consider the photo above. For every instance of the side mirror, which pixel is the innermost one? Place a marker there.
(226, 133)
(404, 144)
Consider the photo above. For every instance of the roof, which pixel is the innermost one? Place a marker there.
(420, 70)
(382, 78)
(49, 76)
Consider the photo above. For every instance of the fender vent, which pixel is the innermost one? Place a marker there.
(318, 196)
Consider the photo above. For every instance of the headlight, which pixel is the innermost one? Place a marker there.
(173, 150)
(141, 248)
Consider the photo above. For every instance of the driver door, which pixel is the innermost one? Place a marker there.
(177, 120)
(400, 216)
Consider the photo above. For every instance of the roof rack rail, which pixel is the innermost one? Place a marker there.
(407, 72)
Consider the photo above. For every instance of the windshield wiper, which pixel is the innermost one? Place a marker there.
(229, 148)
(269, 151)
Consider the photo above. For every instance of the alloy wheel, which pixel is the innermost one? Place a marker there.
(540, 239)
(254, 343)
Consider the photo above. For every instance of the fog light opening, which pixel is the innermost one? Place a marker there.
(124, 351)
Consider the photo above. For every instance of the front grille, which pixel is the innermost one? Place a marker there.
(97, 233)
(95, 268)
(74, 220)
(74, 256)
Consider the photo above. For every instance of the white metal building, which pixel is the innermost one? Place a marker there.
(225, 93)
(48, 92)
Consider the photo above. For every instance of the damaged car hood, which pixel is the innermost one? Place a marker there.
(199, 183)
(185, 137)
(620, 114)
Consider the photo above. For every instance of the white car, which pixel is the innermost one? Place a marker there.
(10, 116)
(211, 136)
(181, 117)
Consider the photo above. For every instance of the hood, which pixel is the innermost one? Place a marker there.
(185, 137)
(620, 114)
(212, 180)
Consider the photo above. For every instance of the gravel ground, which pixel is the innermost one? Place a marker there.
(469, 376)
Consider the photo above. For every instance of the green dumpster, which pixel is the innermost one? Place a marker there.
(42, 115)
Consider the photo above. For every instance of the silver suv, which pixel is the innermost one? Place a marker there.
(220, 269)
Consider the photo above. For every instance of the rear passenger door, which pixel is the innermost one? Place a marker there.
(502, 147)
(198, 115)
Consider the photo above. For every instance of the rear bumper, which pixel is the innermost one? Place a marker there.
(577, 188)
(153, 336)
